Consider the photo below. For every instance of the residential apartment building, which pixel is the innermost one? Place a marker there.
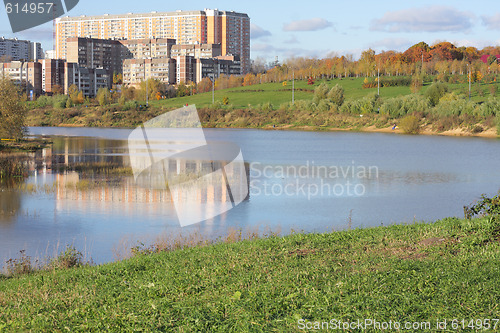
(197, 50)
(96, 53)
(17, 49)
(88, 80)
(215, 67)
(52, 74)
(147, 48)
(137, 70)
(230, 29)
(22, 73)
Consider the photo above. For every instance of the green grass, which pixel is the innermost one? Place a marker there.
(407, 273)
(276, 93)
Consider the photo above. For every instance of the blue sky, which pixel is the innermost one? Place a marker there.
(318, 28)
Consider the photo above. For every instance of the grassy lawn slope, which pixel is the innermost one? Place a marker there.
(418, 272)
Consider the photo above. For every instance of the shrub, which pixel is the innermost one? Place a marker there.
(43, 101)
(490, 108)
(485, 207)
(20, 266)
(324, 105)
(455, 108)
(336, 95)
(320, 92)
(435, 92)
(498, 124)
(401, 106)
(410, 125)
(59, 101)
(67, 259)
(267, 107)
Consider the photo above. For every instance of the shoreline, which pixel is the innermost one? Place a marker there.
(489, 133)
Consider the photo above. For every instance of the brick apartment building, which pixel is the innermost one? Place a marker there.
(229, 29)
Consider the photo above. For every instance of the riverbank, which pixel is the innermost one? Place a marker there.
(427, 130)
(111, 118)
(403, 273)
(27, 145)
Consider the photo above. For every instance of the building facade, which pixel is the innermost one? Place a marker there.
(88, 80)
(52, 74)
(230, 29)
(197, 50)
(95, 53)
(17, 49)
(28, 75)
(137, 70)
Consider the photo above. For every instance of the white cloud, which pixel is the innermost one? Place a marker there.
(477, 43)
(313, 24)
(427, 19)
(258, 32)
(394, 44)
(492, 22)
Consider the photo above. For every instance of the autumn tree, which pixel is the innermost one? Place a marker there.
(117, 78)
(205, 85)
(57, 89)
(12, 111)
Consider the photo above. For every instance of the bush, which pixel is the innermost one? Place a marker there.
(320, 92)
(435, 92)
(366, 105)
(336, 95)
(498, 124)
(410, 125)
(59, 101)
(490, 108)
(388, 82)
(325, 105)
(20, 266)
(401, 106)
(485, 207)
(43, 101)
(455, 108)
(67, 259)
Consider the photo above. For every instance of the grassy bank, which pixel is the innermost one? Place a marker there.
(268, 106)
(406, 273)
(28, 145)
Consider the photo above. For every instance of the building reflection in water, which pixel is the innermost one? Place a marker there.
(83, 173)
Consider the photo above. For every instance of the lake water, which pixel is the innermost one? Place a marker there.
(305, 181)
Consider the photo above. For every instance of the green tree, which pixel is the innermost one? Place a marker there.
(103, 96)
(435, 92)
(12, 111)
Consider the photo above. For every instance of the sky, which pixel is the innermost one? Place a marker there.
(286, 29)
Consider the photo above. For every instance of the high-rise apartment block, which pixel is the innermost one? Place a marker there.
(17, 49)
(52, 74)
(229, 29)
